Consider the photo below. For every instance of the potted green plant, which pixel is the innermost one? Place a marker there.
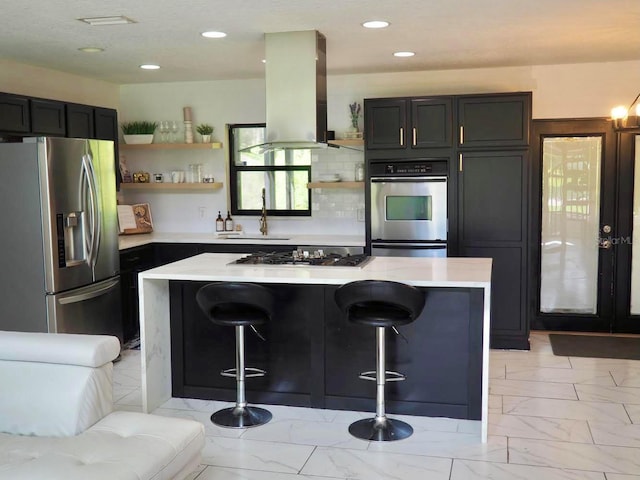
(138, 132)
(205, 130)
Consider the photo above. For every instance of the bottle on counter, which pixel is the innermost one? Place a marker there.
(228, 223)
(219, 223)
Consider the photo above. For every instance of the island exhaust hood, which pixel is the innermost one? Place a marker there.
(296, 91)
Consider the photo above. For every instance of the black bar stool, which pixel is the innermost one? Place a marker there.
(380, 304)
(238, 305)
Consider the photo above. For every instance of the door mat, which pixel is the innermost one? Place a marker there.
(593, 346)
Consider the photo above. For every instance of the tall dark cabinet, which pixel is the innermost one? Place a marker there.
(486, 139)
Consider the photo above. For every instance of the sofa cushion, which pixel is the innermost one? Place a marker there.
(50, 399)
(122, 446)
(62, 348)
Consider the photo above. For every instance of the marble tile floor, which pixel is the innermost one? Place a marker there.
(552, 418)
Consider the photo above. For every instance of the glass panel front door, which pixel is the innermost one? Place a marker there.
(570, 224)
(635, 237)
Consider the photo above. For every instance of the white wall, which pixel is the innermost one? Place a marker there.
(559, 91)
(24, 79)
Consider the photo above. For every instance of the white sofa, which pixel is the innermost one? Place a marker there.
(57, 420)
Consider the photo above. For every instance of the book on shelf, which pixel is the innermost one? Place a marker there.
(134, 219)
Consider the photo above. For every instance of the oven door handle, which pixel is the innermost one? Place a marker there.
(397, 246)
(408, 179)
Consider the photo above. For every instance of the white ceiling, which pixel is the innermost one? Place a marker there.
(445, 34)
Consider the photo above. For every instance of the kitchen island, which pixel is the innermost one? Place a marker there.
(444, 353)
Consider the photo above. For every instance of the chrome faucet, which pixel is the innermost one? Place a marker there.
(263, 216)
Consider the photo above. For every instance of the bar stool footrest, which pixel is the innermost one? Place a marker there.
(249, 372)
(389, 376)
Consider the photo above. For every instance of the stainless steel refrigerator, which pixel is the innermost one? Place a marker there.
(59, 260)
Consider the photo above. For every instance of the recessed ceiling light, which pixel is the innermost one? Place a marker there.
(264, 60)
(213, 34)
(91, 49)
(375, 24)
(113, 20)
(149, 66)
(403, 54)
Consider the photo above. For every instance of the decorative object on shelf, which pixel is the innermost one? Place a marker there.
(141, 177)
(188, 125)
(177, 176)
(138, 132)
(355, 109)
(158, 177)
(208, 179)
(195, 173)
(359, 172)
(124, 170)
(205, 130)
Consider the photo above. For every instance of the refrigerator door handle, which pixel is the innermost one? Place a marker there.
(81, 297)
(94, 211)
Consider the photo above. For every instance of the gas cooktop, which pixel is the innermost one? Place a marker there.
(303, 259)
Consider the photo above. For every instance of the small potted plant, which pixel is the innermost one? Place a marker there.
(205, 130)
(138, 132)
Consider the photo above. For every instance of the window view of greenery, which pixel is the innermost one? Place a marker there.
(283, 174)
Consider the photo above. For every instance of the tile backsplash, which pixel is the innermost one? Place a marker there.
(343, 203)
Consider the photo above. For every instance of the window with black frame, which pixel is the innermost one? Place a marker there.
(283, 174)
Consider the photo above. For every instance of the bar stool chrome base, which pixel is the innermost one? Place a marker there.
(380, 430)
(241, 417)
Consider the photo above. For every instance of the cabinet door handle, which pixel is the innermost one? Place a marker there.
(460, 162)
(414, 136)
(461, 134)
(401, 136)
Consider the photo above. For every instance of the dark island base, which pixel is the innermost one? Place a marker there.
(313, 356)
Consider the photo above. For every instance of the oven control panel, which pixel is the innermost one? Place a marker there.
(413, 168)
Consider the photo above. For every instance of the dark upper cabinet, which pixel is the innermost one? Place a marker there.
(431, 122)
(106, 124)
(14, 114)
(414, 123)
(47, 117)
(497, 120)
(385, 123)
(80, 122)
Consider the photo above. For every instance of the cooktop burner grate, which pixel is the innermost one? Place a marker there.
(287, 258)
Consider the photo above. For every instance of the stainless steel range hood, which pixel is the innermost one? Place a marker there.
(296, 83)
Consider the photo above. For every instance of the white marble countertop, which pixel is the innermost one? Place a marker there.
(423, 272)
(130, 241)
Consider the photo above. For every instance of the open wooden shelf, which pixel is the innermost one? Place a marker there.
(356, 142)
(335, 185)
(172, 186)
(172, 146)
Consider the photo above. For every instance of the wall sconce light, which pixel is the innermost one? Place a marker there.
(622, 119)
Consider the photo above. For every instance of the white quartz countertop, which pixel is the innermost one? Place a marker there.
(130, 241)
(422, 272)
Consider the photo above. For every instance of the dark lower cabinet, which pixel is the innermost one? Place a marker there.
(14, 114)
(313, 356)
(172, 252)
(48, 117)
(132, 261)
(492, 222)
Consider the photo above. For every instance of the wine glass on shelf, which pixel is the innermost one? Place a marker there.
(163, 128)
(174, 126)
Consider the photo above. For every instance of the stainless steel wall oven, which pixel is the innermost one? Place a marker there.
(408, 206)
